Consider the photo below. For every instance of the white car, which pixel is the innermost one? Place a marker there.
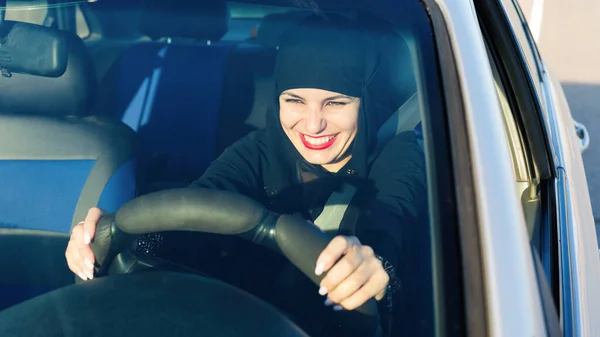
(100, 102)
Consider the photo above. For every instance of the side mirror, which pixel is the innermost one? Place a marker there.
(583, 135)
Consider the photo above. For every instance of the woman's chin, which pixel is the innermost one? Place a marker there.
(326, 161)
(316, 159)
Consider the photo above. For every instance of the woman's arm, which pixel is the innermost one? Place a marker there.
(372, 263)
(237, 169)
(395, 223)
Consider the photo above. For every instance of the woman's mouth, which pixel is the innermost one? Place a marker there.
(318, 143)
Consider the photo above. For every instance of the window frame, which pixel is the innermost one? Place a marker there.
(518, 59)
(464, 303)
(522, 70)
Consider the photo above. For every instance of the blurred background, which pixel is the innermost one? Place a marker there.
(567, 36)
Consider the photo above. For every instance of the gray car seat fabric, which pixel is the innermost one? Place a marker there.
(59, 158)
(56, 162)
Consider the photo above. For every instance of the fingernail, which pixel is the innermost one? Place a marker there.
(89, 264)
(338, 308)
(82, 276)
(87, 238)
(319, 269)
(89, 275)
(322, 291)
(328, 302)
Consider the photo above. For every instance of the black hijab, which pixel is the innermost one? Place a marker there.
(359, 57)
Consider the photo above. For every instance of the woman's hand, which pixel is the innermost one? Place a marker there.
(354, 276)
(80, 257)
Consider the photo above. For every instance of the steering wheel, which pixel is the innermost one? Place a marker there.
(218, 212)
(130, 300)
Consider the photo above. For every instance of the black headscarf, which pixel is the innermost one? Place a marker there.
(359, 57)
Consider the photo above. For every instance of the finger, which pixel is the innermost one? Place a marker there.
(87, 260)
(341, 270)
(375, 285)
(78, 269)
(74, 261)
(350, 285)
(339, 246)
(82, 250)
(89, 225)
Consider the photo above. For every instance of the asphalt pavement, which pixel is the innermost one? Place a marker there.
(567, 36)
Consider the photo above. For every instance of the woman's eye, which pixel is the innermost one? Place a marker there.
(336, 103)
(291, 100)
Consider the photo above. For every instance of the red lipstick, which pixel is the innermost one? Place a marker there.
(320, 146)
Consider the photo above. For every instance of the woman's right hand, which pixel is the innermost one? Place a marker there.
(79, 253)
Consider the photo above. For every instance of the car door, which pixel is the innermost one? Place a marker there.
(501, 281)
(561, 222)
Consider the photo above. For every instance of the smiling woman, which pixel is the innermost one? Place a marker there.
(321, 124)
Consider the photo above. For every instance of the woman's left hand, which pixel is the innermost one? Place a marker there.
(354, 276)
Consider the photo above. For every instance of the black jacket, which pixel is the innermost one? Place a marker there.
(390, 201)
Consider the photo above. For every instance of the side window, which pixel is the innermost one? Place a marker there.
(527, 183)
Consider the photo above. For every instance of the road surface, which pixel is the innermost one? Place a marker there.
(567, 34)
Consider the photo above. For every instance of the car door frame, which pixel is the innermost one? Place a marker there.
(492, 225)
(568, 245)
(535, 172)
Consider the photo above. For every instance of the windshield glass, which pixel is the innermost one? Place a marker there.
(281, 101)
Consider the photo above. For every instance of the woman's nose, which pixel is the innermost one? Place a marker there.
(315, 123)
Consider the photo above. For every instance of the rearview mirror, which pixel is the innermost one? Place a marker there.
(31, 49)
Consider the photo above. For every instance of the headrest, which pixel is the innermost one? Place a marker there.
(67, 92)
(201, 20)
(118, 18)
(272, 26)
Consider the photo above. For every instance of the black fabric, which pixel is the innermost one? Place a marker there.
(274, 25)
(201, 20)
(394, 199)
(246, 65)
(73, 93)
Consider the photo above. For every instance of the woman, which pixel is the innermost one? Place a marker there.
(337, 80)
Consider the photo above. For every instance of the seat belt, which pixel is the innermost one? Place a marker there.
(330, 219)
(404, 119)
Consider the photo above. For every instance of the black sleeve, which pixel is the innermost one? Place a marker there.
(237, 169)
(397, 206)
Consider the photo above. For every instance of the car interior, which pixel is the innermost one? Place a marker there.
(125, 115)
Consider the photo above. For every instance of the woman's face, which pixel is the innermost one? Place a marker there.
(321, 124)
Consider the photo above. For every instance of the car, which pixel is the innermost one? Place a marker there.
(103, 103)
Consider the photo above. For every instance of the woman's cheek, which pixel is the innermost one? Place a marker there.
(290, 117)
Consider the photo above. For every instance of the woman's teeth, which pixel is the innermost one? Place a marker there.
(318, 141)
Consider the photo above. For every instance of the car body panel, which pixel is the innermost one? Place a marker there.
(577, 241)
(580, 247)
(511, 290)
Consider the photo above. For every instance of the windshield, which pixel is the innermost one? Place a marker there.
(156, 91)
